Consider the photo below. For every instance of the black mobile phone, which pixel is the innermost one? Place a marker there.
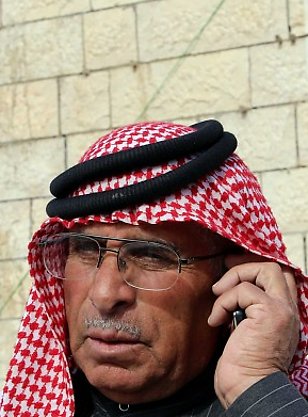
(237, 317)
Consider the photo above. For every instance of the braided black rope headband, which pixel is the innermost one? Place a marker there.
(212, 144)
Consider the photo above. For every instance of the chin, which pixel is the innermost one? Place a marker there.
(127, 386)
(114, 380)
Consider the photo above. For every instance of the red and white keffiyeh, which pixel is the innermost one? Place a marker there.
(228, 201)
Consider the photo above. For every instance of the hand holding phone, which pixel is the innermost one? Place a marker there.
(266, 339)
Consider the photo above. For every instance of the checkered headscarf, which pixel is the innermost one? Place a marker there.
(228, 201)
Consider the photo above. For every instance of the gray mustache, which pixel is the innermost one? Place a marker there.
(118, 325)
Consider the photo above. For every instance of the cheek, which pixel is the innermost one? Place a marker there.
(193, 311)
(75, 291)
(179, 323)
(180, 319)
(75, 296)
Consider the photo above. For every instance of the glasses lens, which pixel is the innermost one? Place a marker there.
(55, 251)
(62, 251)
(151, 265)
(83, 249)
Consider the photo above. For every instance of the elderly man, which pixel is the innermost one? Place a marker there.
(155, 241)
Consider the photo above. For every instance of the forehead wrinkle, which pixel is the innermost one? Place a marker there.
(138, 233)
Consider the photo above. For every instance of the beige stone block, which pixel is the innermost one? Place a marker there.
(189, 121)
(16, 11)
(287, 194)
(166, 29)
(104, 4)
(105, 44)
(266, 136)
(42, 49)
(85, 102)
(78, 144)
(14, 229)
(295, 249)
(27, 168)
(38, 212)
(172, 28)
(279, 74)
(9, 329)
(176, 89)
(15, 287)
(298, 10)
(243, 23)
(12, 52)
(302, 129)
(131, 91)
(28, 110)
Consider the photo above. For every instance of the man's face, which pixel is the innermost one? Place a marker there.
(135, 345)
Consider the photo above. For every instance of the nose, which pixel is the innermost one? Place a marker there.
(109, 293)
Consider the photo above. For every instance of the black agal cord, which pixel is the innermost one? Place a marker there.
(211, 144)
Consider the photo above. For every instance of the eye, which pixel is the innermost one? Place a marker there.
(150, 256)
(122, 264)
(84, 248)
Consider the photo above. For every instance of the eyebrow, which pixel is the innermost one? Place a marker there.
(149, 238)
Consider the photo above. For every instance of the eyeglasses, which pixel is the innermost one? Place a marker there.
(143, 264)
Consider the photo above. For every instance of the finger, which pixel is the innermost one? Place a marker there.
(243, 295)
(248, 257)
(265, 275)
(291, 282)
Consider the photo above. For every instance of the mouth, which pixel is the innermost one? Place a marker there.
(108, 345)
(112, 336)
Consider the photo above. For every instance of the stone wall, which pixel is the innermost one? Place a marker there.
(73, 69)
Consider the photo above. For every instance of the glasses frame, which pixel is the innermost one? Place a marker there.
(181, 261)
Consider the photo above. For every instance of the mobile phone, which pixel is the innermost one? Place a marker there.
(237, 317)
